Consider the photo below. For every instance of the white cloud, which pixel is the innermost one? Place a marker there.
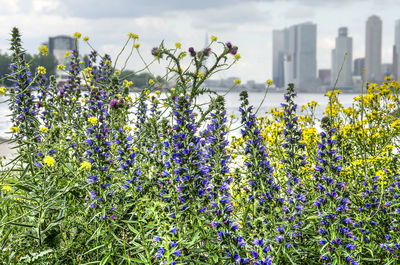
(45, 5)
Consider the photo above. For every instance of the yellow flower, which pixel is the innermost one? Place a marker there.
(137, 45)
(127, 83)
(86, 38)
(200, 75)
(117, 72)
(237, 81)
(6, 188)
(127, 128)
(49, 161)
(158, 92)
(67, 54)
(61, 67)
(133, 36)
(84, 100)
(3, 91)
(269, 82)
(92, 120)
(43, 49)
(151, 82)
(128, 98)
(178, 45)
(86, 165)
(389, 147)
(213, 38)
(182, 55)
(14, 129)
(77, 35)
(107, 62)
(237, 56)
(232, 116)
(44, 129)
(41, 70)
(173, 89)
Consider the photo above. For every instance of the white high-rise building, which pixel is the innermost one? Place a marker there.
(396, 51)
(279, 51)
(373, 49)
(302, 56)
(294, 52)
(342, 58)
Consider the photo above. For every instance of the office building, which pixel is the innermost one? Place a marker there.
(359, 65)
(373, 49)
(342, 60)
(59, 45)
(280, 47)
(396, 51)
(300, 62)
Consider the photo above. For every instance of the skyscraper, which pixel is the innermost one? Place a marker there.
(301, 59)
(373, 49)
(396, 51)
(279, 50)
(359, 65)
(342, 55)
(59, 45)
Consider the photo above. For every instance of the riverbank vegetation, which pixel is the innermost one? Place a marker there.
(101, 177)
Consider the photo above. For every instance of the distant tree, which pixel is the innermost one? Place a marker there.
(141, 80)
(5, 61)
(47, 61)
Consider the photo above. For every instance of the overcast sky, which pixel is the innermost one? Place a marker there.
(247, 24)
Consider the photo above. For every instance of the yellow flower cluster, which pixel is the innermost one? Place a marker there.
(44, 129)
(92, 120)
(49, 161)
(86, 165)
(6, 188)
(332, 111)
(127, 128)
(41, 70)
(311, 105)
(77, 35)
(3, 91)
(127, 83)
(43, 50)
(133, 36)
(309, 136)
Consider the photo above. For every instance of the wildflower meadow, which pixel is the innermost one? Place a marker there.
(105, 177)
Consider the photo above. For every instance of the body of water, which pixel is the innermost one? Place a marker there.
(232, 105)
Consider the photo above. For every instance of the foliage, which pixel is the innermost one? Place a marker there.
(105, 176)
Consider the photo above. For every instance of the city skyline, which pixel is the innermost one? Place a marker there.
(249, 24)
(292, 65)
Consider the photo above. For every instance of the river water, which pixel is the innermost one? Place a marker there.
(232, 105)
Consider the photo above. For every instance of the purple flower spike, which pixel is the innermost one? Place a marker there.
(192, 52)
(113, 103)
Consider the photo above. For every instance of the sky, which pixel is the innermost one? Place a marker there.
(245, 23)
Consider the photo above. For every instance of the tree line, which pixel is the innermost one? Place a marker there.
(50, 63)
